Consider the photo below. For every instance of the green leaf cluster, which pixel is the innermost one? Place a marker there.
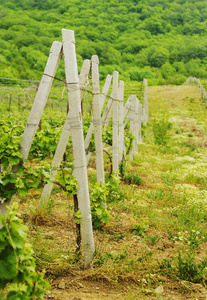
(18, 278)
(100, 215)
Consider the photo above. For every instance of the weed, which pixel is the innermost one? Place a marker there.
(134, 179)
(50, 205)
(137, 230)
(166, 179)
(185, 268)
(117, 237)
(153, 239)
(156, 194)
(193, 238)
(102, 258)
(161, 130)
(145, 256)
(188, 270)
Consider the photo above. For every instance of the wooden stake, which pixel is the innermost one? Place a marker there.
(19, 103)
(10, 99)
(41, 98)
(121, 120)
(132, 117)
(83, 78)
(97, 120)
(75, 121)
(136, 124)
(145, 117)
(115, 120)
(102, 101)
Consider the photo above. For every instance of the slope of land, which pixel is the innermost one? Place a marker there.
(155, 245)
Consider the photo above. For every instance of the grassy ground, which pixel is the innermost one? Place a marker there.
(155, 245)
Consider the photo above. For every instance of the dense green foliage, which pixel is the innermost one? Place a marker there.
(162, 40)
(18, 278)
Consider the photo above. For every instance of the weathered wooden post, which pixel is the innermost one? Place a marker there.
(102, 101)
(136, 124)
(132, 117)
(121, 120)
(115, 122)
(38, 107)
(10, 100)
(41, 98)
(97, 120)
(140, 122)
(76, 125)
(145, 119)
(62, 144)
(19, 103)
(83, 77)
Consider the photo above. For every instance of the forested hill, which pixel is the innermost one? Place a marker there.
(162, 40)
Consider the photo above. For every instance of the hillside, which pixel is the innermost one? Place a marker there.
(164, 41)
(157, 234)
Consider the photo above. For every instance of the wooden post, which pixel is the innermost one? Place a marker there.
(41, 98)
(97, 120)
(145, 120)
(102, 101)
(75, 122)
(105, 90)
(115, 121)
(132, 117)
(10, 99)
(83, 77)
(126, 107)
(60, 151)
(136, 124)
(19, 103)
(140, 122)
(121, 119)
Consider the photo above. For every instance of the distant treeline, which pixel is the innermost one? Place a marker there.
(164, 41)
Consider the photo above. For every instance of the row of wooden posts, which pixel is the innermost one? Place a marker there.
(25, 102)
(195, 81)
(132, 112)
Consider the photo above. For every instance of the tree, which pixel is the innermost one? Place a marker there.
(157, 56)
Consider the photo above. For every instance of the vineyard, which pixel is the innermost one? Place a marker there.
(148, 209)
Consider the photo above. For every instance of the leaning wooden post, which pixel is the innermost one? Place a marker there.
(115, 121)
(140, 122)
(76, 125)
(38, 106)
(97, 120)
(61, 147)
(121, 120)
(132, 117)
(136, 124)
(145, 102)
(105, 90)
(41, 98)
